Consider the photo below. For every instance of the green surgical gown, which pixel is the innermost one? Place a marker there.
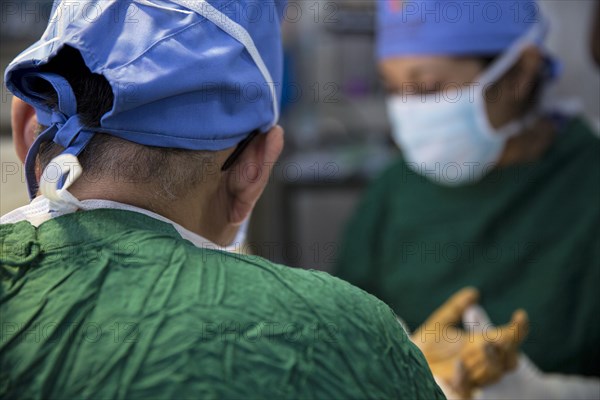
(526, 236)
(115, 304)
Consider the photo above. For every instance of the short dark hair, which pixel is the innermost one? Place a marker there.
(169, 172)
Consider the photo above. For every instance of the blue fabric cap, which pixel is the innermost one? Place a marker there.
(442, 27)
(185, 74)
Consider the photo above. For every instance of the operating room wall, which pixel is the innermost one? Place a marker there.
(336, 131)
(21, 21)
(569, 38)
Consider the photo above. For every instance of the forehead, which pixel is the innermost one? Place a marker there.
(439, 68)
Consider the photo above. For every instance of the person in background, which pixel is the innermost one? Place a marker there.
(495, 189)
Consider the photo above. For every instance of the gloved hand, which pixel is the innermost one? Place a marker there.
(527, 381)
(502, 342)
(462, 360)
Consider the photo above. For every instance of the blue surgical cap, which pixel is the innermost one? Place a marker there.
(442, 27)
(188, 74)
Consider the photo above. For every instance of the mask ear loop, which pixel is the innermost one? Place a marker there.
(534, 36)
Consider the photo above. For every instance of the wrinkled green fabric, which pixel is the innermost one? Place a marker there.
(526, 236)
(114, 304)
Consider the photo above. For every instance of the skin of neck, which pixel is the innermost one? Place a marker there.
(530, 145)
(202, 210)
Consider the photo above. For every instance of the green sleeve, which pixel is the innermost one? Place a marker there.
(381, 349)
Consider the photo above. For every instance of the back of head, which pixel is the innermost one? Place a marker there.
(166, 173)
(178, 71)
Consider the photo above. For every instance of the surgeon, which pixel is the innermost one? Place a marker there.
(496, 188)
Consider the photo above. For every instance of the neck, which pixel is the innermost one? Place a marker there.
(205, 218)
(530, 145)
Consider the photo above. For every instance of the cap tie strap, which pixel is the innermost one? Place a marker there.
(66, 130)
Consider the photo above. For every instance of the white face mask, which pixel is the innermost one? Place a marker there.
(447, 136)
(238, 244)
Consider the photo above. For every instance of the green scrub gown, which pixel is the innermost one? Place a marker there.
(114, 304)
(526, 236)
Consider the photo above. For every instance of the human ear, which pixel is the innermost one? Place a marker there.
(525, 74)
(24, 125)
(249, 176)
(512, 94)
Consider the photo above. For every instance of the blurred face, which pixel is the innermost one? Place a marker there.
(428, 74)
(506, 100)
(432, 74)
(442, 110)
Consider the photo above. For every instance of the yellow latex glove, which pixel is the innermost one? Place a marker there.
(465, 359)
